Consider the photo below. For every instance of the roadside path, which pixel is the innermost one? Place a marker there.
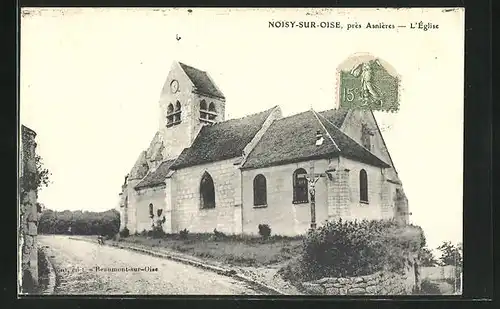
(87, 268)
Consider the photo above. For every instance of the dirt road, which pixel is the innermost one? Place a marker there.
(87, 268)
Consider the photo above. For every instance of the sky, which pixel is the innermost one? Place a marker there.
(91, 80)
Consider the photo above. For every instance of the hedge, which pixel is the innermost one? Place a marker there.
(356, 248)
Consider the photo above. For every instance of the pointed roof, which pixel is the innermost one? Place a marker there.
(293, 139)
(335, 116)
(156, 177)
(202, 81)
(222, 141)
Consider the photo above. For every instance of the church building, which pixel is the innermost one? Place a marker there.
(202, 172)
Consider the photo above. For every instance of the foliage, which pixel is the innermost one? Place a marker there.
(450, 254)
(105, 223)
(34, 180)
(219, 235)
(184, 234)
(157, 232)
(125, 232)
(357, 248)
(429, 288)
(426, 258)
(454, 282)
(264, 231)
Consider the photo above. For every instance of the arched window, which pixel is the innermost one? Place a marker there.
(213, 112)
(177, 116)
(207, 191)
(151, 210)
(259, 190)
(300, 186)
(174, 116)
(363, 186)
(170, 116)
(203, 105)
(209, 114)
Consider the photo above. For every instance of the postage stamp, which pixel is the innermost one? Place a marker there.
(366, 82)
(232, 151)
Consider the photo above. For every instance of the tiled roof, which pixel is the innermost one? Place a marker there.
(335, 116)
(222, 141)
(293, 139)
(201, 81)
(156, 177)
(349, 148)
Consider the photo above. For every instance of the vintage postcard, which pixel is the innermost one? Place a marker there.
(217, 151)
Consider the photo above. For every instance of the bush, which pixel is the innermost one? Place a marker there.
(219, 235)
(346, 249)
(184, 234)
(157, 232)
(125, 233)
(264, 231)
(429, 288)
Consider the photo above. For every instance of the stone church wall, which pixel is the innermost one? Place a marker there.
(283, 216)
(352, 127)
(143, 198)
(186, 202)
(337, 198)
(378, 192)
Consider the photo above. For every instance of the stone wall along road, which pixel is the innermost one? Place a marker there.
(87, 268)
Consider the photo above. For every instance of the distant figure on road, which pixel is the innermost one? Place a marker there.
(100, 240)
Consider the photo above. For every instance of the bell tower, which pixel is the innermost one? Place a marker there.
(189, 100)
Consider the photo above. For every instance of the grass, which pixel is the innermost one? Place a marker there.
(232, 249)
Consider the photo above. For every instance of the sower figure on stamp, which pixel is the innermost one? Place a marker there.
(365, 71)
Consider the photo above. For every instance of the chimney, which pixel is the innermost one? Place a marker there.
(319, 138)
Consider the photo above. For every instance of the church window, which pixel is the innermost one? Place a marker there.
(170, 116)
(177, 116)
(151, 210)
(207, 114)
(203, 106)
(207, 191)
(173, 115)
(213, 112)
(363, 186)
(300, 186)
(259, 190)
(365, 137)
(211, 107)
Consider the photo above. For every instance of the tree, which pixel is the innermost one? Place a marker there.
(427, 258)
(42, 174)
(450, 254)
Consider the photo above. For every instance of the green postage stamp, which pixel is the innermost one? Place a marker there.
(367, 82)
